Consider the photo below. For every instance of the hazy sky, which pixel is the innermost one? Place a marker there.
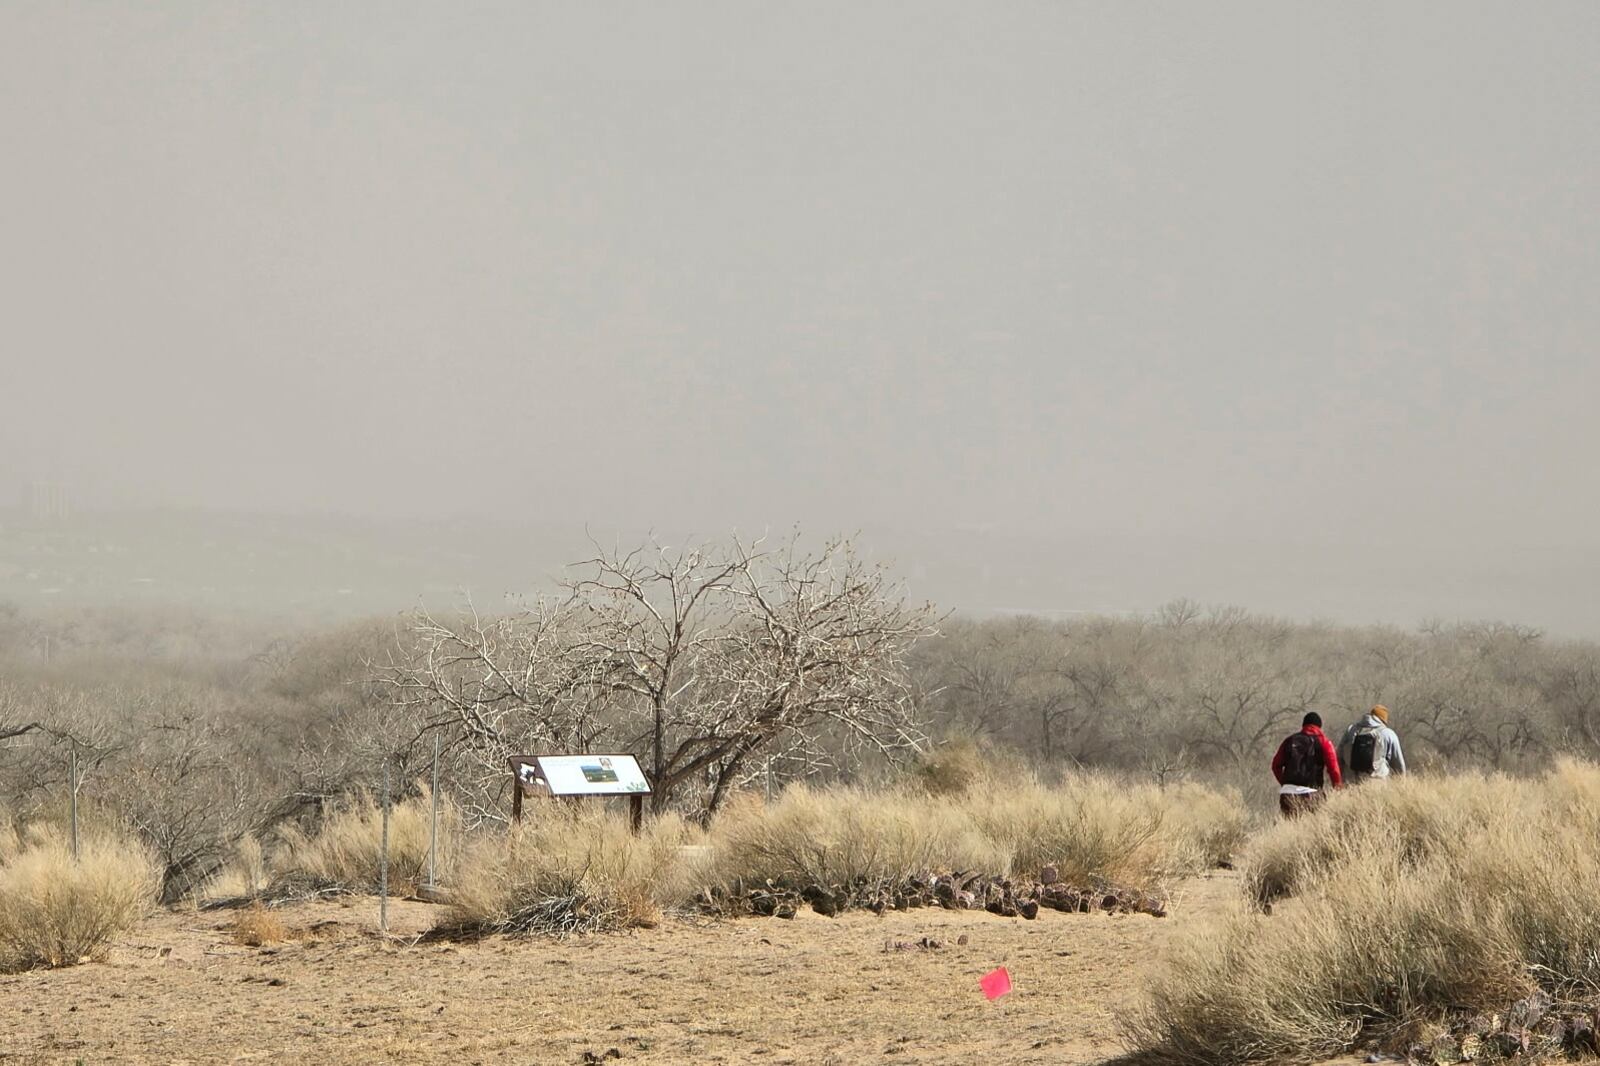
(1266, 270)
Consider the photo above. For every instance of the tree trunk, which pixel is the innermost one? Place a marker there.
(658, 754)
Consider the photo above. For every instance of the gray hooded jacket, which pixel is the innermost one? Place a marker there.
(1389, 759)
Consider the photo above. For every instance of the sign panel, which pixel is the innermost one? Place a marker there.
(585, 775)
(526, 771)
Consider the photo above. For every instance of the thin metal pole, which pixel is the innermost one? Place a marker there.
(433, 826)
(72, 788)
(383, 858)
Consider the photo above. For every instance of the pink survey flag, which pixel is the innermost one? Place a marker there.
(995, 983)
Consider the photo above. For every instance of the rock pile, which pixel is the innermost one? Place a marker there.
(1535, 1027)
(964, 890)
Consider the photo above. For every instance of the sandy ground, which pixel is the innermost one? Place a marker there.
(811, 990)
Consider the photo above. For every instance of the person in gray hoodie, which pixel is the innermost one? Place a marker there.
(1370, 750)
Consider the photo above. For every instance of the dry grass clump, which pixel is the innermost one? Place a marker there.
(964, 766)
(57, 911)
(844, 836)
(1421, 917)
(10, 838)
(1091, 828)
(344, 853)
(571, 870)
(1409, 817)
(256, 926)
(243, 876)
(1214, 821)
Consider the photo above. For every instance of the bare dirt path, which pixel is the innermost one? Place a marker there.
(811, 990)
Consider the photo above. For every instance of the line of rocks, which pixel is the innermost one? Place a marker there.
(965, 890)
(1534, 1027)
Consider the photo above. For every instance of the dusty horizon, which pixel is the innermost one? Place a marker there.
(1276, 304)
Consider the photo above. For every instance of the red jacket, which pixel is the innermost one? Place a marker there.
(1330, 758)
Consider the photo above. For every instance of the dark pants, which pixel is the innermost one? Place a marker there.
(1294, 806)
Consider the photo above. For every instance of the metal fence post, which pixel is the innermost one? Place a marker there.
(433, 825)
(383, 858)
(72, 789)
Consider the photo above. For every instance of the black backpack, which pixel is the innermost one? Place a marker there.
(1302, 761)
(1364, 751)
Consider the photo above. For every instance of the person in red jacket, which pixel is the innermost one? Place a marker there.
(1299, 766)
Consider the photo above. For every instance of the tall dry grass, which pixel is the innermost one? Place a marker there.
(1089, 827)
(841, 836)
(56, 910)
(244, 876)
(1410, 903)
(344, 853)
(573, 869)
(10, 838)
(1410, 817)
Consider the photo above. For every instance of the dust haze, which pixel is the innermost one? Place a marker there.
(1064, 307)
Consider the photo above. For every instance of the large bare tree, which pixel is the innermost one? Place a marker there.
(698, 659)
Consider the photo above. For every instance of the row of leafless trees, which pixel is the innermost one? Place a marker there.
(722, 667)
(1218, 688)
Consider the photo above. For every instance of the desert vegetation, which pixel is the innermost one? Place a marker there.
(821, 743)
(62, 904)
(1450, 920)
(346, 851)
(200, 734)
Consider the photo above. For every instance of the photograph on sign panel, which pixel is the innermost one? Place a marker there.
(598, 774)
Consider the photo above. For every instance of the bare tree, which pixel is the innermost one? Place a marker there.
(698, 658)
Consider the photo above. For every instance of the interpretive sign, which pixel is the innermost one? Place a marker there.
(591, 775)
(578, 775)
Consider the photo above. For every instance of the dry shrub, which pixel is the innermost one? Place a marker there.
(569, 870)
(256, 926)
(1094, 827)
(57, 911)
(1214, 821)
(844, 836)
(963, 766)
(10, 838)
(243, 876)
(1089, 827)
(344, 853)
(1462, 894)
(1410, 817)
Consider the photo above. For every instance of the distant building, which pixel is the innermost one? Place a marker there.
(48, 502)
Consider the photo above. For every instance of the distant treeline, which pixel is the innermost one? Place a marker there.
(1215, 689)
(201, 731)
